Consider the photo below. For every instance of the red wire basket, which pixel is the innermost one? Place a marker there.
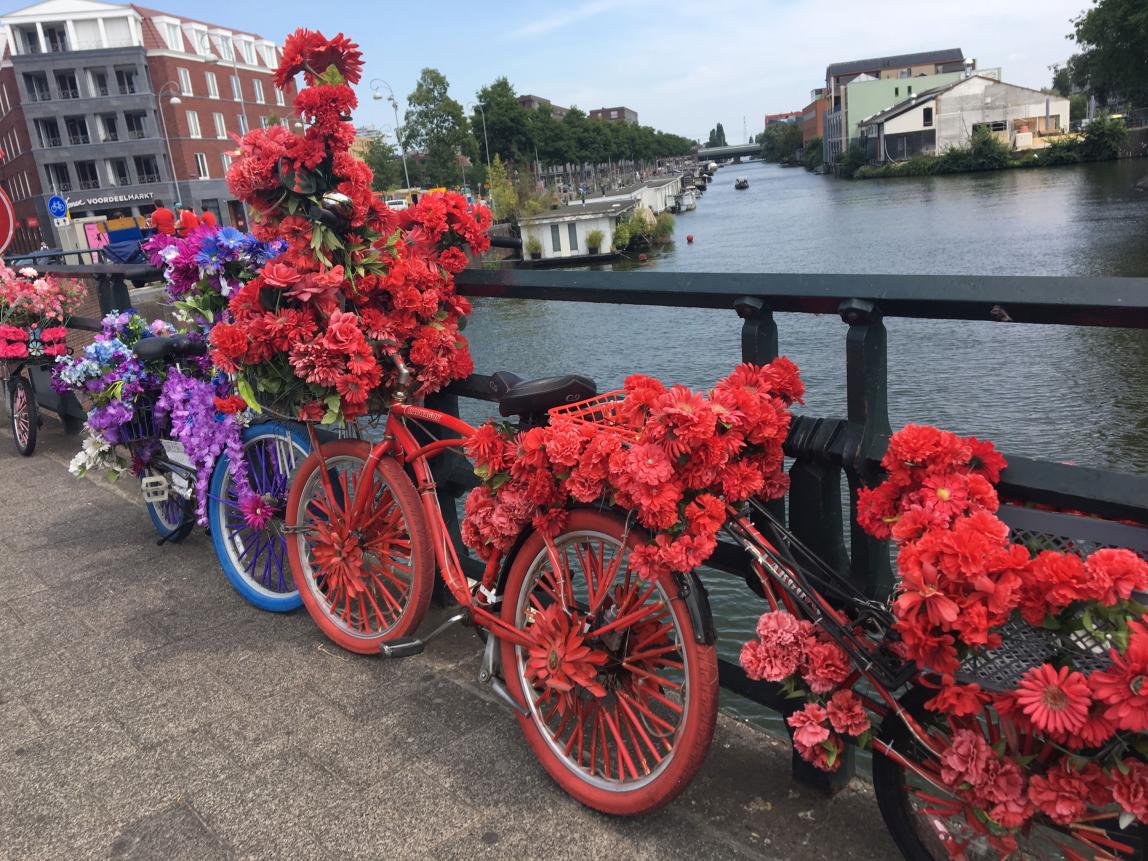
(600, 411)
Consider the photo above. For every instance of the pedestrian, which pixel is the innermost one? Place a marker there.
(162, 219)
(188, 221)
(208, 218)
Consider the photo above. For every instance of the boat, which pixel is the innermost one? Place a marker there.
(741, 183)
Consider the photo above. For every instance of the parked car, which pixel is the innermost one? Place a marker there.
(397, 204)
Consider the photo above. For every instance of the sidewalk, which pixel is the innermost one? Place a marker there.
(147, 712)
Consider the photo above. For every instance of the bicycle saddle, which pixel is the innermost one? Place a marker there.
(534, 397)
(173, 347)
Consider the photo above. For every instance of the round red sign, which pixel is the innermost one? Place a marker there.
(7, 222)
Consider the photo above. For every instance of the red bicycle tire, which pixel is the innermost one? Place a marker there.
(693, 739)
(407, 506)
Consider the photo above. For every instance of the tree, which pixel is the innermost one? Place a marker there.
(1113, 37)
(436, 126)
(1061, 80)
(780, 141)
(717, 136)
(507, 123)
(384, 164)
(503, 196)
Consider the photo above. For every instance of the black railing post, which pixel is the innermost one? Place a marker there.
(758, 346)
(112, 292)
(867, 393)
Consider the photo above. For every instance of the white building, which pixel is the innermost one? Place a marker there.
(946, 116)
(565, 232)
(656, 194)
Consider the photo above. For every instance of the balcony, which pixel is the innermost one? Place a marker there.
(149, 178)
(136, 134)
(128, 89)
(50, 142)
(89, 183)
(61, 186)
(69, 93)
(79, 140)
(39, 96)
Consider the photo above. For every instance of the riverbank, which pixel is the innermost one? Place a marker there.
(148, 712)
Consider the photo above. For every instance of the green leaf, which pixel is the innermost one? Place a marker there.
(331, 417)
(483, 472)
(248, 395)
(499, 480)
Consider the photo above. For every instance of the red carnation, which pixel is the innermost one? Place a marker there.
(310, 52)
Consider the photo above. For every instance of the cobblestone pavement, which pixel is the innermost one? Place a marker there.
(147, 712)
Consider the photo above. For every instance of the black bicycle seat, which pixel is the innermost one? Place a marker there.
(534, 397)
(169, 347)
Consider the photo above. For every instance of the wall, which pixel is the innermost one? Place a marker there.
(980, 100)
(583, 227)
(865, 98)
(813, 119)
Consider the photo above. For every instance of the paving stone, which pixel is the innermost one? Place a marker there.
(20, 725)
(175, 834)
(42, 823)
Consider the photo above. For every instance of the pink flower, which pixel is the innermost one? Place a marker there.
(826, 666)
(1130, 788)
(1055, 701)
(846, 714)
(966, 759)
(1059, 795)
(809, 725)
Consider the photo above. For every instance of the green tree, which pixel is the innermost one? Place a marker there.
(503, 196)
(717, 136)
(780, 141)
(384, 164)
(813, 156)
(436, 126)
(507, 123)
(1113, 40)
(1103, 138)
(1061, 80)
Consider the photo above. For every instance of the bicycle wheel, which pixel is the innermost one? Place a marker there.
(621, 720)
(365, 578)
(254, 557)
(174, 517)
(929, 824)
(25, 415)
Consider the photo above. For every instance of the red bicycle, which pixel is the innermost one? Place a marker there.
(613, 678)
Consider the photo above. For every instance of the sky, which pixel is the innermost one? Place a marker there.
(683, 66)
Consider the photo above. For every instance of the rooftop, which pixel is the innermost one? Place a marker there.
(945, 55)
(584, 210)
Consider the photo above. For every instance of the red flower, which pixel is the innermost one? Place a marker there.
(826, 666)
(312, 411)
(779, 651)
(1130, 788)
(966, 760)
(1115, 574)
(1060, 795)
(231, 404)
(846, 713)
(1124, 685)
(560, 660)
(808, 724)
(958, 700)
(310, 52)
(1054, 700)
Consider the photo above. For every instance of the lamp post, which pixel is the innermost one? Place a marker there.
(173, 99)
(377, 95)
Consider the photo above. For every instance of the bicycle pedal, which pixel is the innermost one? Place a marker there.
(403, 647)
(155, 488)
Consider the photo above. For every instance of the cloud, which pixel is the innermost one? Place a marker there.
(564, 19)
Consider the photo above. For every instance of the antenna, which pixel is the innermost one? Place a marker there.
(744, 133)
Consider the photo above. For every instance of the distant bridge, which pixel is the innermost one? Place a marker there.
(714, 153)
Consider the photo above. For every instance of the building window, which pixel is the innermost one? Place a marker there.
(58, 177)
(193, 125)
(212, 85)
(896, 92)
(109, 131)
(226, 50)
(66, 84)
(226, 159)
(257, 87)
(220, 125)
(247, 48)
(172, 35)
(98, 81)
(184, 82)
(909, 89)
(36, 83)
(555, 238)
(201, 166)
(269, 59)
(77, 128)
(118, 171)
(242, 120)
(56, 38)
(211, 204)
(927, 118)
(236, 89)
(572, 229)
(126, 81)
(264, 122)
(87, 175)
(279, 97)
(136, 125)
(147, 169)
(48, 132)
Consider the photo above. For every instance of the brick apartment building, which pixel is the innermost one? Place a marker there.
(113, 106)
(615, 115)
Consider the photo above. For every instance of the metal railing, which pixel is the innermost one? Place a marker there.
(825, 451)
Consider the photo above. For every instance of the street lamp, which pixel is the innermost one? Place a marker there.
(173, 99)
(377, 95)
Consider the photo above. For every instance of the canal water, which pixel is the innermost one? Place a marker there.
(1071, 394)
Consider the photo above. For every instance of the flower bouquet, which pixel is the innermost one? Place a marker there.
(33, 310)
(672, 456)
(203, 269)
(1061, 739)
(355, 281)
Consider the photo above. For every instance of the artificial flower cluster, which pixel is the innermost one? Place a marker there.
(109, 375)
(356, 281)
(202, 270)
(679, 459)
(34, 342)
(33, 309)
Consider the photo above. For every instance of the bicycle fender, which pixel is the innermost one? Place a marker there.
(697, 600)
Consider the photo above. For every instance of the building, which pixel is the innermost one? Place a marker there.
(656, 194)
(790, 117)
(841, 118)
(813, 116)
(112, 106)
(614, 115)
(364, 137)
(533, 103)
(564, 232)
(947, 116)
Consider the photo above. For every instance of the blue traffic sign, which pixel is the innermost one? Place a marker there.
(57, 206)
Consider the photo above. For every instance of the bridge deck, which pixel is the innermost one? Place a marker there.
(148, 712)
